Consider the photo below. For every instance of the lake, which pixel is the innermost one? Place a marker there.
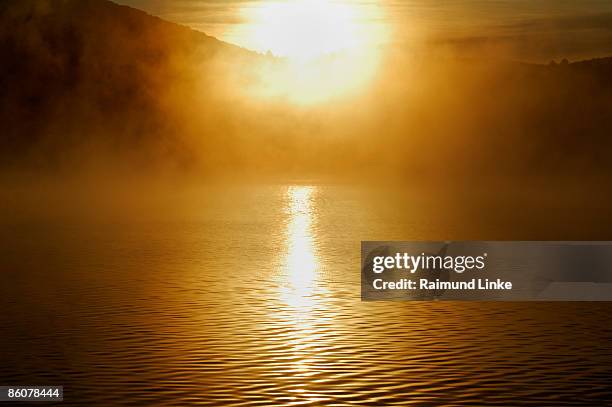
(251, 297)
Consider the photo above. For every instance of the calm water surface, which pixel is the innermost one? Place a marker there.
(253, 299)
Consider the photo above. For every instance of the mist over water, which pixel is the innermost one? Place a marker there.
(126, 93)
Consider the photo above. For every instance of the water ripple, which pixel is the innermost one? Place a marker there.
(165, 314)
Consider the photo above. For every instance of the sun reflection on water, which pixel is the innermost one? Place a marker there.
(301, 262)
(301, 294)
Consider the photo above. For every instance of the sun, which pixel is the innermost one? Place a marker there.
(304, 29)
(329, 46)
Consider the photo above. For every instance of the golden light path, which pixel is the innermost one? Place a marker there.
(301, 262)
(329, 47)
(302, 294)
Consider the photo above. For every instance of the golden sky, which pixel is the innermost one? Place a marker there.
(534, 30)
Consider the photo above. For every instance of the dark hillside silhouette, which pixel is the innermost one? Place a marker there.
(74, 71)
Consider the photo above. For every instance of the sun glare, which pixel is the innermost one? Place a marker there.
(328, 47)
(304, 29)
